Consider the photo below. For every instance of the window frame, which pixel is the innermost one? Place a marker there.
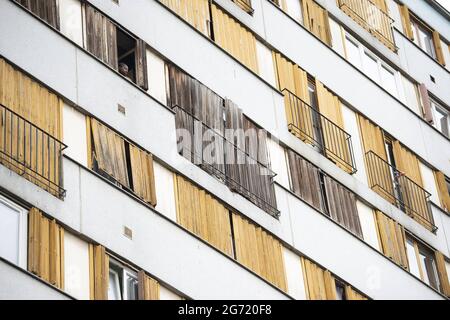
(22, 253)
(418, 25)
(363, 50)
(418, 245)
(124, 271)
(438, 107)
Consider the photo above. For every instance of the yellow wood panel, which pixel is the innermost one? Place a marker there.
(259, 251)
(406, 21)
(195, 12)
(143, 174)
(45, 248)
(234, 38)
(443, 192)
(99, 272)
(203, 215)
(351, 294)
(149, 288)
(442, 273)
(319, 283)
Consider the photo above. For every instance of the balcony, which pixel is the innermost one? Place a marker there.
(399, 190)
(31, 152)
(372, 18)
(218, 155)
(313, 128)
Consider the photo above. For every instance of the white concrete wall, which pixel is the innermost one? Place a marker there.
(76, 267)
(74, 135)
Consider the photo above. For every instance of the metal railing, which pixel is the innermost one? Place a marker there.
(400, 190)
(372, 18)
(31, 152)
(218, 155)
(314, 128)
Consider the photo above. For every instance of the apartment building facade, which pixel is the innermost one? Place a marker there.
(224, 149)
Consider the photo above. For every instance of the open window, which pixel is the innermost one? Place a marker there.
(116, 47)
(123, 282)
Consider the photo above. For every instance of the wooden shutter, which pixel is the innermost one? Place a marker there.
(443, 193)
(406, 21)
(392, 239)
(438, 48)
(148, 288)
(245, 5)
(259, 251)
(316, 20)
(414, 196)
(203, 215)
(305, 180)
(109, 152)
(197, 101)
(319, 283)
(407, 162)
(141, 64)
(234, 38)
(196, 13)
(426, 104)
(378, 173)
(98, 272)
(335, 139)
(342, 206)
(351, 294)
(381, 4)
(299, 116)
(43, 109)
(442, 273)
(101, 37)
(143, 174)
(45, 248)
(45, 9)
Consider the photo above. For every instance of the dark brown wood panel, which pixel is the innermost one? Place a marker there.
(45, 9)
(342, 206)
(305, 180)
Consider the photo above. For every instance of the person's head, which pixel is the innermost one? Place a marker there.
(123, 68)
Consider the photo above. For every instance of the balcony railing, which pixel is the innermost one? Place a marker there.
(31, 152)
(218, 155)
(400, 190)
(314, 128)
(372, 18)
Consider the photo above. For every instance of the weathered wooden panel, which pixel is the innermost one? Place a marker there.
(101, 37)
(305, 180)
(342, 206)
(45, 9)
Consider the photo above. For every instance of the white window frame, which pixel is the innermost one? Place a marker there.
(380, 64)
(23, 230)
(436, 107)
(126, 271)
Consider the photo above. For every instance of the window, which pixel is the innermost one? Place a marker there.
(423, 37)
(47, 10)
(441, 117)
(373, 67)
(123, 282)
(121, 162)
(370, 66)
(340, 291)
(353, 54)
(422, 262)
(116, 47)
(13, 233)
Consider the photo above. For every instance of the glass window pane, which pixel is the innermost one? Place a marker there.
(114, 285)
(131, 283)
(9, 233)
(429, 268)
(412, 261)
(371, 68)
(353, 53)
(388, 81)
(340, 292)
(426, 41)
